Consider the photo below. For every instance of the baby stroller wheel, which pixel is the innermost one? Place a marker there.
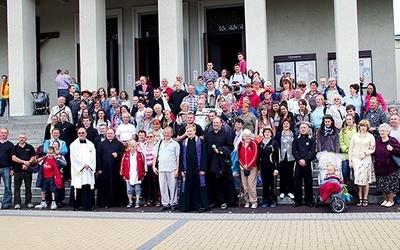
(338, 205)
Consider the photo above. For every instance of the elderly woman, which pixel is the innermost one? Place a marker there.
(248, 155)
(338, 111)
(133, 169)
(362, 146)
(387, 178)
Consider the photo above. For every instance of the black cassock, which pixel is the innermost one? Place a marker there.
(110, 185)
(193, 192)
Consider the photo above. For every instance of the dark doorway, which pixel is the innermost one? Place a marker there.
(147, 49)
(147, 59)
(112, 53)
(222, 48)
(225, 37)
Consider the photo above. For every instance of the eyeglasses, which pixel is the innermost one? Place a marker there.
(149, 136)
(336, 99)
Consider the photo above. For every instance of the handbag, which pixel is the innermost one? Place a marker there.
(351, 187)
(158, 151)
(259, 180)
(396, 160)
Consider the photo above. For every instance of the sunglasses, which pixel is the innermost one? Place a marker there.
(81, 133)
(149, 136)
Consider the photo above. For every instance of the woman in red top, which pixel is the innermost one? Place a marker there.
(133, 169)
(248, 154)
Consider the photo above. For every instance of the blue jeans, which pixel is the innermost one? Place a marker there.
(129, 189)
(3, 105)
(62, 92)
(5, 173)
(345, 170)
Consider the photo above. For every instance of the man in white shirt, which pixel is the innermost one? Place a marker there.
(125, 131)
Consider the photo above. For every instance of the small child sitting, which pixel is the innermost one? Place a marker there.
(331, 183)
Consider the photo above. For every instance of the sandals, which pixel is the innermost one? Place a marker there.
(360, 203)
(365, 203)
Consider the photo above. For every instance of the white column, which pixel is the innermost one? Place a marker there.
(255, 12)
(170, 30)
(92, 33)
(21, 17)
(346, 38)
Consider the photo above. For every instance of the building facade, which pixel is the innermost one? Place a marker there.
(107, 43)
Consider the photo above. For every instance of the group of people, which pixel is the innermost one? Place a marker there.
(219, 137)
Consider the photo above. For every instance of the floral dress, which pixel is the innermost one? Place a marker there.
(363, 168)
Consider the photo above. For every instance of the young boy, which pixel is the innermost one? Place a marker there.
(49, 170)
(350, 109)
(200, 87)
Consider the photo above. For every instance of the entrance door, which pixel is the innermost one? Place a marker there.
(147, 49)
(148, 59)
(222, 48)
(112, 53)
(225, 37)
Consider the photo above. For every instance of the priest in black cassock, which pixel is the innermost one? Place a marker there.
(193, 193)
(110, 185)
(67, 134)
(221, 188)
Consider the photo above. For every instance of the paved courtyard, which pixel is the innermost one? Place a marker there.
(30, 229)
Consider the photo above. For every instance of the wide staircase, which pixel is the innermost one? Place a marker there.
(34, 127)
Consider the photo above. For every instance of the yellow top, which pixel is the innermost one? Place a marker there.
(5, 90)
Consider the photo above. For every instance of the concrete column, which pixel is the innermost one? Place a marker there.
(92, 33)
(170, 30)
(21, 55)
(255, 12)
(346, 38)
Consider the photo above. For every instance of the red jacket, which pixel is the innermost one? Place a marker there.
(248, 155)
(254, 99)
(125, 165)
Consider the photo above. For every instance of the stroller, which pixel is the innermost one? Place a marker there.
(332, 190)
(41, 103)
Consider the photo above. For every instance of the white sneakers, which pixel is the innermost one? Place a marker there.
(291, 196)
(43, 204)
(282, 195)
(386, 203)
(53, 205)
(254, 205)
(247, 205)
(389, 204)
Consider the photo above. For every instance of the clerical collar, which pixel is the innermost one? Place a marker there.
(82, 140)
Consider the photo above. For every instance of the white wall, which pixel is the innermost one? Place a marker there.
(3, 42)
(376, 33)
(59, 52)
(397, 56)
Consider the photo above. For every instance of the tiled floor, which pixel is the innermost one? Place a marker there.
(31, 229)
